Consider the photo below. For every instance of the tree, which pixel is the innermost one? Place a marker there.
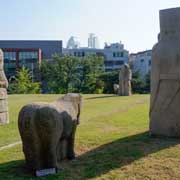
(23, 84)
(109, 79)
(62, 75)
(72, 74)
(91, 68)
(138, 84)
(147, 83)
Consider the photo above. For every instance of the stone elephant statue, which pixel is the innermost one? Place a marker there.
(48, 131)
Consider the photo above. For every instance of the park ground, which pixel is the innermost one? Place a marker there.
(112, 142)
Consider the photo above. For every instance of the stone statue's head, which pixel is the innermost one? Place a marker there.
(126, 66)
(76, 99)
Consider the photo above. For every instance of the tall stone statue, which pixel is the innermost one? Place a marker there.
(4, 118)
(125, 77)
(165, 77)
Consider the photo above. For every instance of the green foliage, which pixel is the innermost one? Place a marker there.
(109, 79)
(23, 83)
(92, 66)
(148, 83)
(62, 75)
(139, 85)
(72, 74)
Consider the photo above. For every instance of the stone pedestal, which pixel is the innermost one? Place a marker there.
(4, 118)
(165, 77)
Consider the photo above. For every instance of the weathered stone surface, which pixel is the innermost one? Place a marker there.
(125, 77)
(48, 131)
(165, 77)
(4, 118)
(116, 88)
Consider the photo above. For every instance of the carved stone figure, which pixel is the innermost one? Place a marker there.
(165, 77)
(48, 132)
(4, 118)
(116, 88)
(125, 77)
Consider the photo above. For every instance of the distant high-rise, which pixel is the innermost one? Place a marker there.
(93, 41)
(73, 43)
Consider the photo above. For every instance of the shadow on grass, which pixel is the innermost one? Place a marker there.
(101, 160)
(101, 97)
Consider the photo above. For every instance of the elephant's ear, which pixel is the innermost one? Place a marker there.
(78, 115)
(79, 110)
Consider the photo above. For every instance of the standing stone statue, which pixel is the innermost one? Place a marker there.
(125, 77)
(4, 118)
(165, 77)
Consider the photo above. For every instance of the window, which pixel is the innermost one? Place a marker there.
(28, 56)
(118, 62)
(122, 54)
(149, 54)
(114, 54)
(149, 62)
(9, 56)
(142, 60)
(79, 54)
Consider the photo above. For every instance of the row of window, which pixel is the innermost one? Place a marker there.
(28, 55)
(79, 54)
(110, 63)
(11, 56)
(149, 62)
(118, 54)
(145, 54)
(115, 54)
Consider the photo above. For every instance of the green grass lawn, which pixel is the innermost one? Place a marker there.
(112, 142)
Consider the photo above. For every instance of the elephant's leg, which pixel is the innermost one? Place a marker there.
(70, 149)
(62, 150)
(49, 128)
(51, 156)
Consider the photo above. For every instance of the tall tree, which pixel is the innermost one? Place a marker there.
(92, 66)
(109, 79)
(23, 83)
(62, 75)
(138, 84)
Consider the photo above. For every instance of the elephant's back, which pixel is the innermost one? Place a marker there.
(39, 120)
(39, 117)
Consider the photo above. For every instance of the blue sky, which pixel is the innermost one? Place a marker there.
(134, 22)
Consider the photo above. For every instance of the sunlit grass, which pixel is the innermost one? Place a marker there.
(112, 142)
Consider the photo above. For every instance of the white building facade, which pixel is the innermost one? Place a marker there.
(141, 62)
(114, 54)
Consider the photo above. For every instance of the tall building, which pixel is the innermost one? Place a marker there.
(93, 41)
(29, 54)
(114, 54)
(141, 62)
(73, 43)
